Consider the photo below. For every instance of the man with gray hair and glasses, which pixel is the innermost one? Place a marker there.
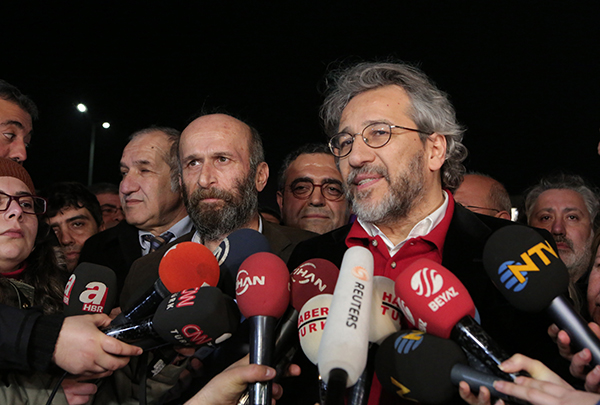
(398, 147)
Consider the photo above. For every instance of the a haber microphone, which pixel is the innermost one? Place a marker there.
(434, 300)
(420, 367)
(345, 342)
(185, 265)
(529, 273)
(91, 289)
(263, 293)
(190, 318)
(311, 324)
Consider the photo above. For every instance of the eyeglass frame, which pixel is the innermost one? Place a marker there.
(16, 198)
(325, 183)
(362, 134)
(480, 208)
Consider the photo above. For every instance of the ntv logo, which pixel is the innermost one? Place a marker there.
(513, 274)
(426, 282)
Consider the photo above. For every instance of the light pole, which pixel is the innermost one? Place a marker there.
(83, 109)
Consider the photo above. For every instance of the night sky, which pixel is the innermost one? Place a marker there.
(523, 76)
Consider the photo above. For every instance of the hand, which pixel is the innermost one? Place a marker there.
(483, 398)
(545, 393)
(82, 349)
(78, 393)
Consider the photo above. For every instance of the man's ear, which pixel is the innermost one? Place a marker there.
(436, 151)
(280, 200)
(262, 175)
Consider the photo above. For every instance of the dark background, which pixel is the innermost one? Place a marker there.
(523, 76)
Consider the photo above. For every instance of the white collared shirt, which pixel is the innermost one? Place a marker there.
(422, 228)
(179, 229)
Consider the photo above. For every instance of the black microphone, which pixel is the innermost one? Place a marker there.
(528, 272)
(91, 288)
(184, 266)
(425, 368)
(190, 318)
(233, 250)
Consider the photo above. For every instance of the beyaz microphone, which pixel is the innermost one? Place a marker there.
(190, 318)
(263, 292)
(91, 288)
(530, 275)
(441, 305)
(185, 265)
(345, 342)
(233, 250)
(425, 368)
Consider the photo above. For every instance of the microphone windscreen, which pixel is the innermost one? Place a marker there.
(196, 316)
(187, 265)
(417, 366)
(311, 278)
(311, 324)
(263, 286)
(91, 289)
(385, 312)
(233, 250)
(525, 268)
(345, 340)
(433, 298)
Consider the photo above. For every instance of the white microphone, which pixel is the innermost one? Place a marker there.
(345, 343)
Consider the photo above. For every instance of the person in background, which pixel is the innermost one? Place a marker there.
(110, 203)
(17, 113)
(482, 194)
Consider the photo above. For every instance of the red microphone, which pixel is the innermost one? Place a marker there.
(263, 292)
(434, 300)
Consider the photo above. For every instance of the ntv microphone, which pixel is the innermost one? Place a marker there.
(435, 297)
(191, 317)
(425, 368)
(233, 250)
(344, 345)
(185, 265)
(91, 288)
(262, 291)
(528, 272)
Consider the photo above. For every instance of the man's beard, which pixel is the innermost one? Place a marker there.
(576, 260)
(214, 221)
(405, 192)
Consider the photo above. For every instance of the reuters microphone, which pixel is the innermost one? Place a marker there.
(434, 300)
(91, 288)
(528, 272)
(185, 265)
(345, 342)
(263, 292)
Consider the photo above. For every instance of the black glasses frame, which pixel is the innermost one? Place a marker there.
(17, 198)
(312, 190)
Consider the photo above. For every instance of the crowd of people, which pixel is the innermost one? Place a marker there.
(390, 179)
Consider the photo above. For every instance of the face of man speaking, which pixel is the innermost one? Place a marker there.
(219, 188)
(398, 184)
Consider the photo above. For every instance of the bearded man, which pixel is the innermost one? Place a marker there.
(221, 171)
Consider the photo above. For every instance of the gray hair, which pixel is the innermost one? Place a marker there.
(308, 149)
(170, 157)
(430, 108)
(564, 181)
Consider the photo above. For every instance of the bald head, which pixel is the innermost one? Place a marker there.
(484, 195)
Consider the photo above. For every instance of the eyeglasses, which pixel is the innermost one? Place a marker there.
(480, 208)
(110, 209)
(303, 189)
(30, 204)
(375, 135)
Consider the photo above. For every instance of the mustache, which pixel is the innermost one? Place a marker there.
(564, 239)
(366, 169)
(205, 193)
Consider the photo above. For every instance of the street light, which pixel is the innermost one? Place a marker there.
(83, 109)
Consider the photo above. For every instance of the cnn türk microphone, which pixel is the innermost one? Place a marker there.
(425, 368)
(263, 292)
(434, 300)
(184, 266)
(345, 342)
(528, 272)
(233, 250)
(91, 289)
(191, 317)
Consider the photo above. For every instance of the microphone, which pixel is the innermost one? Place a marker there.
(425, 368)
(530, 275)
(233, 250)
(442, 306)
(190, 318)
(262, 291)
(185, 265)
(91, 288)
(311, 324)
(343, 351)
